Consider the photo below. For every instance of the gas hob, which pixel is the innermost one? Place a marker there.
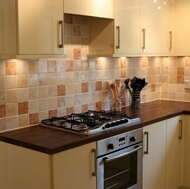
(90, 122)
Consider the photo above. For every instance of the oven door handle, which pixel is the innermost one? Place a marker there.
(106, 160)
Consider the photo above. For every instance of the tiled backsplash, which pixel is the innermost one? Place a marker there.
(31, 90)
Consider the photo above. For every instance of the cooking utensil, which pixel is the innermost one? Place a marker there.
(113, 90)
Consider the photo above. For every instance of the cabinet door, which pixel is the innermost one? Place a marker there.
(2, 166)
(100, 8)
(7, 28)
(40, 27)
(156, 25)
(154, 156)
(181, 27)
(22, 168)
(127, 27)
(73, 168)
(174, 154)
(186, 135)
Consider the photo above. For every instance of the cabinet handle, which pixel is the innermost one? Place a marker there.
(147, 141)
(60, 34)
(181, 129)
(170, 47)
(95, 169)
(143, 38)
(118, 37)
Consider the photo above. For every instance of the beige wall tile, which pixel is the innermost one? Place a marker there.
(12, 122)
(11, 82)
(33, 106)
(11, 96)
(2, 97)
(2, 124)
(22, 81)
(22, 94)
(11, 109)
(23, 120)
(2, 83)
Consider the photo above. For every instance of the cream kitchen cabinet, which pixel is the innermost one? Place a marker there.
(156, 25)
(95, 8)
(7, 28)
(24, 168)
(181, 28)
(40, 28)
(174, 152)
(100, 14)
(186, 132)
(163, 154)
(154, 159)
(143, 28)
(127, 27)
(73, 168)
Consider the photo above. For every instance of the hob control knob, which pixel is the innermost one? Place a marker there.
(110, 146)
(132, 139)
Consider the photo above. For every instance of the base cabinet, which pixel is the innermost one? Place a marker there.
(187, 151)
(174, 152)
(22, 168)
(72, 169)
(163, 154)
(154, 159)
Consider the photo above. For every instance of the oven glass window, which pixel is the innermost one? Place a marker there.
(121, 173)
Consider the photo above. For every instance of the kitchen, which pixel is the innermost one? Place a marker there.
(34, 88)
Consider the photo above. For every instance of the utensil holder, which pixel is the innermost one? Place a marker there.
(136, 100)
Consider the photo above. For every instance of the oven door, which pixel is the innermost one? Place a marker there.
(121, 169)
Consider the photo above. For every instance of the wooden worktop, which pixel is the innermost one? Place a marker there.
(52, 141)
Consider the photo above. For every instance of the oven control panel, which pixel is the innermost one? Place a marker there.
(120, 141)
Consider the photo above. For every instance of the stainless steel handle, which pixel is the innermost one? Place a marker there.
(143, 38)
(119, 156)
(60, 34)
(95, 169)
(181, 129)
(170, 47)
(118, 37)
(147, 141)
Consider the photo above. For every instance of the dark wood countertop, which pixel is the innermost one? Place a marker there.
(52, 141)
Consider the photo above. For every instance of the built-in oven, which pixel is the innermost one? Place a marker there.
(119, 161)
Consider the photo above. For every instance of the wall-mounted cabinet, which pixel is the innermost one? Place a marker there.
(100, 14)
(127, 27)
(143, 27)
(156, 26)
(95, 8)
(40, 27)
(7, 28)
(181, 28)
(101, 36)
